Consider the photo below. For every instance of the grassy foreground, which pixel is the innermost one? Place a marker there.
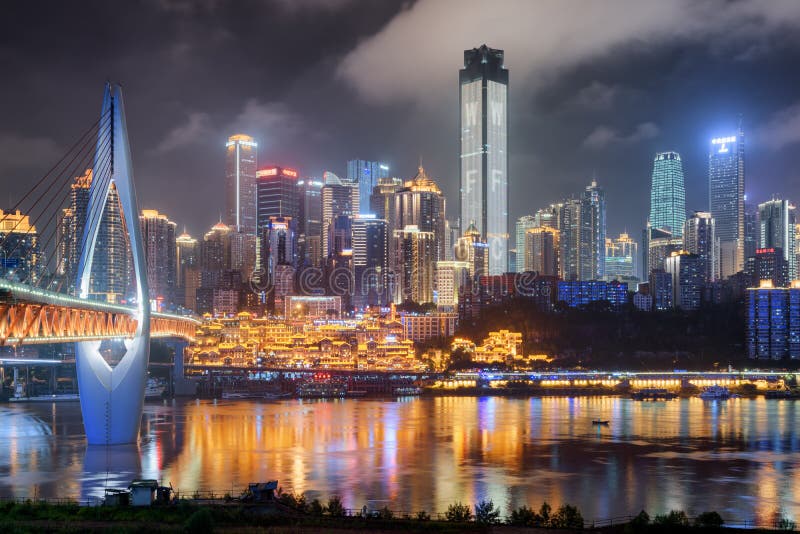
(276, 517)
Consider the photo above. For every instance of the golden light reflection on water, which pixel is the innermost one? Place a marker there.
(737, 457)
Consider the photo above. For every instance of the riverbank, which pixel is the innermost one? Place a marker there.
(276, 518)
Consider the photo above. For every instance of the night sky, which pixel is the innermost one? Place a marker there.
(596, 88)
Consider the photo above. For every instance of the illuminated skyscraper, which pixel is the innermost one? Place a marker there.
(20, 257)
(699, 238)
(158, 237)
(366, 174)
(241, 160)
(414, 255)
(541, 251)
(339, 197)
(726, 199)
(484, 154)
(523, 223)
(622, 258)
(187, 266)
(776, 230)
(420, 203)
(309, 231)
(371, 261)
(687, 279)
(112, 259)
(667, 193)
(277, 194)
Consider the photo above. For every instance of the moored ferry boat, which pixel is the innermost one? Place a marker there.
(321, 390)
(715, 393)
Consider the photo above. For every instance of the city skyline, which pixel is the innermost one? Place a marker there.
(565, 124)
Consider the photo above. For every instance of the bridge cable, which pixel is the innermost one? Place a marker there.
(101, 176)
(55, 228)
(89, 132)
(35, 220)
(47, 190)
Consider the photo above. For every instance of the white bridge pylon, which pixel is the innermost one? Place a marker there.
(112, 398)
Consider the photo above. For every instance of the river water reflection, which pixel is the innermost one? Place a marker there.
(739, 457)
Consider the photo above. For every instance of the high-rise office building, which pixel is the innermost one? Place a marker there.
(367, 174)
(667, 193)
(451, 276)
(523, 224)
(473, 249)
(483, 96)
(687, 274)
(112, 259)
(582, 226)
(20, 257)
(421, 203)
(371, 261)
(776, 223)
(309, 240)
(241, 160)
(751, 229)
(414, 255)
(187, 268)
(541, 251)
(215, 250)
(726, 199)
(339, 197)
(593, 223)
(770, 264)
(622, 258)
(381, 201)
(277, 194)
(773, 321)
(699, 238)
(158, 238)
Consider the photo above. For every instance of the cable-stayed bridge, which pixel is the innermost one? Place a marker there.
(73, 269)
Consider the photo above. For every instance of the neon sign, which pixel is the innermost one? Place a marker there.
(290, 172)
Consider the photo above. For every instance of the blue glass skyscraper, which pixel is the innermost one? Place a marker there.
(668, 194)
(367, 174)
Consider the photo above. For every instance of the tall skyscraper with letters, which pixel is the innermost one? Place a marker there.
(726, 199)
(483, 97)
(667, 194)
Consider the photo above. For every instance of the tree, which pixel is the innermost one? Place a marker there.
(709, 520)
(544, 514)
(486, 513)
(458, 512)
(523, 517)
(335, 507)
(675, 518)
(316, 507)
(567, 517)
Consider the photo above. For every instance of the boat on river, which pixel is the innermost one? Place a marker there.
(600, 422)
(321, 390)
(715, 393)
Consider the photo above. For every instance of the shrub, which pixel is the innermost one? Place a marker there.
(200, 522)
(422, 515)
(708, 520)
(523, 517)
(335, 507)
(567, 517)
(486, 513)
(316, 507)
(675, 518)
(294, 500)
(784, 523)
(458, 512)
(385, 513)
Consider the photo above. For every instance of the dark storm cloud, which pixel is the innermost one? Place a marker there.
(596, 89)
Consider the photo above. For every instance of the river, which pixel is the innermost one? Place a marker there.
(738, 457)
